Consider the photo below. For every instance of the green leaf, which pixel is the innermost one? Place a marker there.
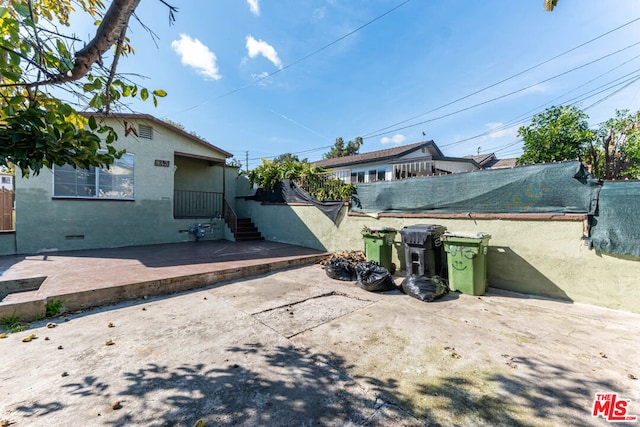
(155, 101)
(68, 65)
(14, 58)
(62, 48)
(92, 123)
(65, 110)
(96, 101)
(159, 92)
(22, 9)
(144, 94)
(11, 75)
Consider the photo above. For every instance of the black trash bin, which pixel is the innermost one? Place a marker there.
(424, 250)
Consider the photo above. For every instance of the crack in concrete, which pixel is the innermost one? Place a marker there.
(326, 294)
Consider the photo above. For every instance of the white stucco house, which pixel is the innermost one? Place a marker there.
(407, 161)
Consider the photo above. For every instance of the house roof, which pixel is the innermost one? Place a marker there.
(482, 159)
(504, 163)
(148, 117)
(490, 161)
(380, 155)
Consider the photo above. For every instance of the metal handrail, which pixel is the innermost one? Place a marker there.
(196, 204)
(230, 216)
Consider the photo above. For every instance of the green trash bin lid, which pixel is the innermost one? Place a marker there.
(377, 231)
(467, 235)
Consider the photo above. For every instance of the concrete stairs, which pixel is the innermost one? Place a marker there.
(247, 231)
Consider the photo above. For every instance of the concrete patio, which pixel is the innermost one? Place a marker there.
(91, 278)
(295, 348)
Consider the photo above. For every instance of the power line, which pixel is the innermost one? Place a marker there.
(525, 117)
(315, 52)
(370, 134)
(465, 97)
(502, 96)
(522, 118)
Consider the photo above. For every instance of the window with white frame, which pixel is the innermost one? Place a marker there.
(344, 175)
(115, 182)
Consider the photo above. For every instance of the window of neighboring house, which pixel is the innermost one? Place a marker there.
(6, 180)
(116, 182)
(372, 175)
(381, 175)
(360, 177)
(343, 175)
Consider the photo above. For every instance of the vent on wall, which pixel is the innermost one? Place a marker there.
(145, 131)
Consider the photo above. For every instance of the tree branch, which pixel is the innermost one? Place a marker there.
(115, 19)
(114, 66)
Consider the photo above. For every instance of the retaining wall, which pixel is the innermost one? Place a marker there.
(543, 255)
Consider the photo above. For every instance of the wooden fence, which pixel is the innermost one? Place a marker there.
(6, 209)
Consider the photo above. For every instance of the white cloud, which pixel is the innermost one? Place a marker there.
(196, 55)
(396, 139)
(496, 131)
(260, 47)
(319, 13)
(539, 88)
(254, 6)
(261, 79)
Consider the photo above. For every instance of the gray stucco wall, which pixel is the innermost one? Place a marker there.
(44, 223)
(7, 243)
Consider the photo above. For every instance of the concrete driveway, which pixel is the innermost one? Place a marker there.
(295, 348)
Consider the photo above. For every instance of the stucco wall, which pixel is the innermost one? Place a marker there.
(197, 175)
(44, 223)
(539, 257)
(7, 243)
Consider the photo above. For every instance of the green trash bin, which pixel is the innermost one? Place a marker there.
(378, 246)
(467, 261)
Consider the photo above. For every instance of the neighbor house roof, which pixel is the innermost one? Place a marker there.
(150, 118)
(490, 161)
(504, 163)
(376, 156)
(482, 159)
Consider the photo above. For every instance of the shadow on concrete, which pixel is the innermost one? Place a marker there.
(255, 385)
(530, 281)
(174, 254)
(292, 387)
(488, 398)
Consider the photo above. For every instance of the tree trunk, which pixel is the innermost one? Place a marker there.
(116, 18)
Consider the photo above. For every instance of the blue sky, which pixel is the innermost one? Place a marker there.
(390, 80)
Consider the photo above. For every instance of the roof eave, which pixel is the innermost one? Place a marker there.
(141, 116)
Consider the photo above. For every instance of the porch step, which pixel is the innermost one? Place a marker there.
(247, 231)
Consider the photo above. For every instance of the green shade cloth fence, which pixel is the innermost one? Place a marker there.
(564, 187)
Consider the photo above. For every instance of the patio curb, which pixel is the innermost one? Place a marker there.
(35, 308)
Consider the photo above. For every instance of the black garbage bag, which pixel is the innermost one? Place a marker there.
(373, 277)
(340, 269)
(424, 288)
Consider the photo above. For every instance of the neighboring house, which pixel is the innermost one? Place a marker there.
(167, 181)
(490, 161)
(6, 181)
(407, 161)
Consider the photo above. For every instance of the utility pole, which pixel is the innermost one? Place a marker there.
(246, 159)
